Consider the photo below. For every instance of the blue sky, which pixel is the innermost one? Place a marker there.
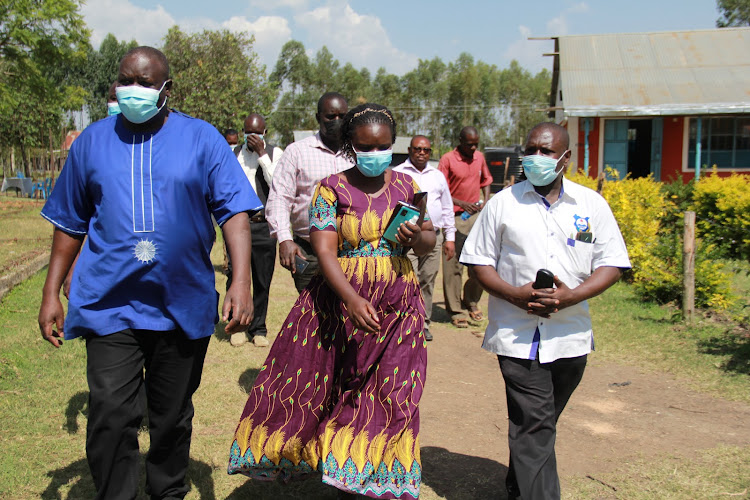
(396, 34)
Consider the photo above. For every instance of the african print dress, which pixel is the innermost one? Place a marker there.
(333, 399)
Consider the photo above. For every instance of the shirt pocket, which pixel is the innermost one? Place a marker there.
(580, 256)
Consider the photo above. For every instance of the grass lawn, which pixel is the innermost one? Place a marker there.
(24, 234)
(43, 397)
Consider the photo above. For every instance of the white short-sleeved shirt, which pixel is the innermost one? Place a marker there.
(518, 234)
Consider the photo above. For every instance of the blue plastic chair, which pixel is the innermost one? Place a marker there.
(42, 187)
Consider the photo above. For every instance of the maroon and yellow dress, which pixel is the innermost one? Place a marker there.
(333, 399)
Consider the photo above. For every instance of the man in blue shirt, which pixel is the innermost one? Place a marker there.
(143, 186)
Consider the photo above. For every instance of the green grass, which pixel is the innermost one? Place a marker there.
(712, 354)
(721, 472)
(43, 400)
(24, 234)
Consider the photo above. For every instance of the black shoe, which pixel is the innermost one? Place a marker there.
(427, 335)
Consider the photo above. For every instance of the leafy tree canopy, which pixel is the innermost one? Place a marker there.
(733, 13)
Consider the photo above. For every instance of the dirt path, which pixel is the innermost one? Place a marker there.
(464, 418)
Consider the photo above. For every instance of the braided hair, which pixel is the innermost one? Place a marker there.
(364, 114)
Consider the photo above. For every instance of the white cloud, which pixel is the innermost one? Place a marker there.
(271, 32)
(276, 4)
(352, 37)
(126, 21)
(529, 52)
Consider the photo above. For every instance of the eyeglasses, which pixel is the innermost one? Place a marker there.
(420, 150)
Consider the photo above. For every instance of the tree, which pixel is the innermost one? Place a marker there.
(733, 13)
(38, 40)
(217, 77)
(100, 71)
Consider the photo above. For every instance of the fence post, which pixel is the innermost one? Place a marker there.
(688, 267)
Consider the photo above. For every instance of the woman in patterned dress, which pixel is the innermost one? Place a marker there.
(339, 392)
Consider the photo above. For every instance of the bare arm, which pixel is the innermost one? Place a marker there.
(361, 312)
(238, 300)
(65, 249)
(546, 301)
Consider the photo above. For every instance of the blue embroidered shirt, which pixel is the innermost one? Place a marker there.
(145, 202)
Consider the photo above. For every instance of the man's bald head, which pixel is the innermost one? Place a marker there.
(559, 133)
(255, 124)
(468, 132)
(156, 59)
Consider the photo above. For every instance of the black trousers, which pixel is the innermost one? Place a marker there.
(301, 280)
(115, 370)
(262, 263)
(536, 394)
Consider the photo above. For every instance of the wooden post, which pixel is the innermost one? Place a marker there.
(600, 183)
(688, 268)
(505, 174)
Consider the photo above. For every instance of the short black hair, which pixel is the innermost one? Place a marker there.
(364, 114)
(230, 131)
(327, 96)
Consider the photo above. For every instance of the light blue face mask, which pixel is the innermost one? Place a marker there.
(138, 104)
(373, 163)
(541, 170)
(257, 135)
(113, 108)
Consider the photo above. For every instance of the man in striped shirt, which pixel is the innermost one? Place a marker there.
(303, 164)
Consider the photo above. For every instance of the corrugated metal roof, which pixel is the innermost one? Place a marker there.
(639, 74)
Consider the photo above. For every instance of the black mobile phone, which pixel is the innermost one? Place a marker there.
(300, 264)
(544, 279)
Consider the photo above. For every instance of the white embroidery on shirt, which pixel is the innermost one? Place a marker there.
(145, 251)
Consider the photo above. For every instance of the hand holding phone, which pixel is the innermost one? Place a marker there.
(300, 264)
(544, 279)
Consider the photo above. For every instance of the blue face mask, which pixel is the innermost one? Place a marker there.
(138, 104)
(257, 135)
(373, 163)
(113, 108)
(541, 170)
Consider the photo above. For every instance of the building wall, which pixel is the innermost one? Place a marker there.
(594, 134)
(672, 150)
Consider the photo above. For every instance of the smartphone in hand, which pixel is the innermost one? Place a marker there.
(544, 279)
(300, 264)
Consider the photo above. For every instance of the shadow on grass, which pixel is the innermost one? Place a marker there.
(311, 488)
(478, 478)
(732, 344)
(439, 314)
(76, 479)
(247, 379)
(219, 333)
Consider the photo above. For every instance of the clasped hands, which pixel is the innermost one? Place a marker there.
(545, 301)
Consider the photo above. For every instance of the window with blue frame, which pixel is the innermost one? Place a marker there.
(725, 142)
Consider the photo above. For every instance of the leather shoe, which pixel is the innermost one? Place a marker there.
(237, 339)
(260, 341)
(427, 335)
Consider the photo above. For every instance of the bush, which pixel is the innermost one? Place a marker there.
(650, 215)
(722, 209)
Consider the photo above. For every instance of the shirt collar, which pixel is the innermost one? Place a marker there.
(409, 164)
(529, 188)
(320, 144)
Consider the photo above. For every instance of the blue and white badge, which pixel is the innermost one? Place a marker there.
(581, 224)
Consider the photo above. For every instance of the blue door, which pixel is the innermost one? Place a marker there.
(656, 135)
(616, 146)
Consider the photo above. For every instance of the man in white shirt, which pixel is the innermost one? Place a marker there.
(542, 336)
(440, 210)
(258, 160)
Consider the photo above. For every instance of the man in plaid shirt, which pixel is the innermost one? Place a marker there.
(304, 164)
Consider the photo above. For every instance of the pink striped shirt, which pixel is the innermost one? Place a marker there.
(303, 164)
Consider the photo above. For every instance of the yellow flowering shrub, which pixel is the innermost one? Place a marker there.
(722, 208)
(650, 219)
